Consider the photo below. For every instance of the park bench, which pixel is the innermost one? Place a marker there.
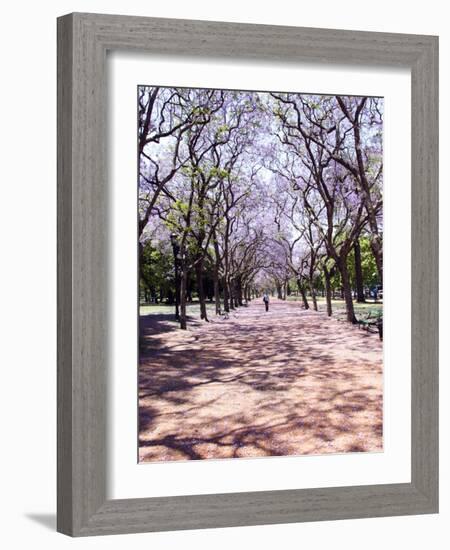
(372, 321)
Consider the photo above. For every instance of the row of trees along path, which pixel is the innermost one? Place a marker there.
(257, 191)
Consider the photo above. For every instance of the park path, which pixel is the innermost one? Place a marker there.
(286, 382)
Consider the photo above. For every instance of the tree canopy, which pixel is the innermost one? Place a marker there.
(243, 192)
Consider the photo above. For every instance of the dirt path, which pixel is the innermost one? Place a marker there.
(286, 382)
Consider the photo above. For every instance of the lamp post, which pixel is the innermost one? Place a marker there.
(176, 250)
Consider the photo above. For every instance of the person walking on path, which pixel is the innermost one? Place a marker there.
(266, 301)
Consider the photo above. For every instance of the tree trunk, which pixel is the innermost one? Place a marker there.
(183, 288)
(231, 293)
(201, 290)
(239, 296)
(313, 295)
(377, 251)
(170, 297)
(226, 264)
(358, 273)
(347, 290)
(154, 295)
(327, 275)
(216, 275)
(302, 294)
(279, 295)
(188, 288)
(226, 295)
(216, 292)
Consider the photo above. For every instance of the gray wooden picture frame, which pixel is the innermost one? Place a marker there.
(83, 41)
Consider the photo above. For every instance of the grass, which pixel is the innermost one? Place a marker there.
(193, 309)
(338, 306)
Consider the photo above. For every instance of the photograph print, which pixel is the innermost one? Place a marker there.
(260, 237)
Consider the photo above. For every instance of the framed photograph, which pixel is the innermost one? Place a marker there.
(247, 274)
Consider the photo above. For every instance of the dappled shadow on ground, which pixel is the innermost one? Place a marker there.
(286, 382)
